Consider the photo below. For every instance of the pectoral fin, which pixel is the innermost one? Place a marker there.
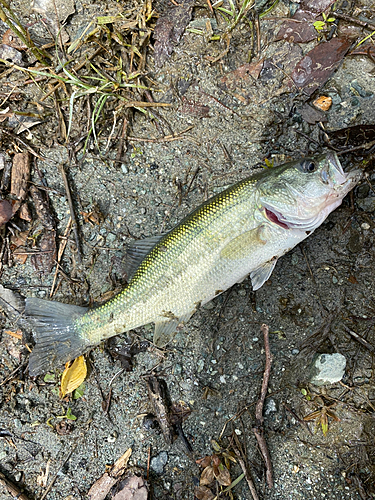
(246, 243)
(260, 275)
(166, 330)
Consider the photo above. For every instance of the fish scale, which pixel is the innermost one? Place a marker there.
(241, 231)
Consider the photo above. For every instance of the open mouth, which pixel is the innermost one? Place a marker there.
(275, 217)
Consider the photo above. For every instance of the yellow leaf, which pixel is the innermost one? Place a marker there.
(74, 374)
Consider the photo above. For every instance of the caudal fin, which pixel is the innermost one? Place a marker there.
(56, 336)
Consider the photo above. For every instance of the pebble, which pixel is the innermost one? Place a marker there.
(328, 369)
(158, 463)
(365, 226)
(110, 238)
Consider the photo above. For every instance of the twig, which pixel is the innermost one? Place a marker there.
(259, 429)
(248, 478)
(360, 339)
(49, 487)
(354, 20)
(60, 253)
(72, 213)
(12, 488)
(166, 138)
(16, 138)
(148, 462)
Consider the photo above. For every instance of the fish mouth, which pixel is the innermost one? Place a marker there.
(276, 217)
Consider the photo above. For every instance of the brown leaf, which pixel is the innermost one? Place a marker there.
(316, 6)
(244, 75)
(314, 69)
(132, 488)
(45, 259)
(203, 493)
(312, 115)
(101, 487)
(223, 476)
(42, 208)
(20, 178)
(5, 212)
(169, 29)
(9, 38)
(204, 462)
(73, 376)
(207, 476)
(297, 31)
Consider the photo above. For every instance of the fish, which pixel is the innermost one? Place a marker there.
(239, 232)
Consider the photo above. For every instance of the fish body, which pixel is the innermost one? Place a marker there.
(241, 231)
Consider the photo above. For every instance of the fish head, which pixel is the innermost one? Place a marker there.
(301, 194)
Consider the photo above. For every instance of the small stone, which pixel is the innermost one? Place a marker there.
(270, 406)
(158, 463)
(366, 226)
(222, 379)
(124, 169)
(110, 238)
(177, 369)
(112, 437)
(334, 280)
(200, 365)
(328, 369)
(238, 432)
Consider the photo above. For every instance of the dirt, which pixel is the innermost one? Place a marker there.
(216, 364)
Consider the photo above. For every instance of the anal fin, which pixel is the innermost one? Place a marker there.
(166, 330)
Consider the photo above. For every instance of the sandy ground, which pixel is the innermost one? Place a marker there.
(221, 348)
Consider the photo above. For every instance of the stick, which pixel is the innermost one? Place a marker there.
(354, 20)
(72, 213)
(13, 489)
(259, 429)
(248, 478)
(360, 339)
(49, 487)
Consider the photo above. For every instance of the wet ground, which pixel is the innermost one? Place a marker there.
(215, 366)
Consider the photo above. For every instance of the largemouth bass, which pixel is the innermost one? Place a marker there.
(241, 231)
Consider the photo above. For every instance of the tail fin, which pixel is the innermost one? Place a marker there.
(57, 339)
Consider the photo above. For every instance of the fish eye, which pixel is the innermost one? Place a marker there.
(307, 166)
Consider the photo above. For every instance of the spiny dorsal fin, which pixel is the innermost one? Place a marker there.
(137, 251)
(260, 275)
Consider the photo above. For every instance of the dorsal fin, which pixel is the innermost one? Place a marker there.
(137, 251)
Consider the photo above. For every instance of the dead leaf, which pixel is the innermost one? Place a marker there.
(169, 29)
(207, 476)
(24, 213)
(18, 246)
(222, 475)
(9, 38)
(73, 376)
(20, 178)
(203, 493)
(316, 6)
(132, 488)
(11, 54)
(6, 212)
(314, 69)
(45, 258)
(13, 346)
(312, 115)
(102, 486)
